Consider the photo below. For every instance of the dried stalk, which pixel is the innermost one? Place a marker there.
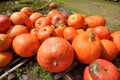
(14, 68)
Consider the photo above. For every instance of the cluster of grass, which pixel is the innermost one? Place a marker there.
(42, 74)
(109, 9)
(10, 6)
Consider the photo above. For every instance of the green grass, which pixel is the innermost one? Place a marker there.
(109, 9)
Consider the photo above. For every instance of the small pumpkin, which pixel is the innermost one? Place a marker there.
(59, 28)
(55, 54)
(5, 23)
(25, 45)
(109, 49)
(45, 32)
(27, 10)
(33, 17)
(87, 47)
(53, 12)
(20, 18)
(102, 32)
(53, 5)
(42, 21)
(5, 58)
(101, 69)
(69, 33)
(5, 42)
(76, 20)
(16, 30)
(115, 37)
(94, 20)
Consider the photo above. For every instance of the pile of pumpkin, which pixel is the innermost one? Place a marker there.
(58, 39)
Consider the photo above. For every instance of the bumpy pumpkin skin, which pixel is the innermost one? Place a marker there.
(55, 54)
(101, 69)
(86, 50)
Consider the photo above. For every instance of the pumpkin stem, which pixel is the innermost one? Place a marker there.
(34, 51)
(105, 69)
(91, 37)
(55, 63)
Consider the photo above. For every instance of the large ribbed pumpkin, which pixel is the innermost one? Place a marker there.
(55, 54)
(87, 47)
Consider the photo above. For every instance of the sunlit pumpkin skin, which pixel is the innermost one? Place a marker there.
(116, 39)
(101, 69)
(20, 18)
(80, 30)
(5, 58)
(102, 32)
(33, 17)
(57, 17)
(53, 13)
(55, 54)
(5, 23)
(69, 33)
(53, 5)
(16, 30)
(109, 50)
(76, 20)
(45, 32)
(25, 45)
(42, 21)
(59, 28)
(34, 32)
(5, 42)
(87, 47)
(27, 10)
(95, 20)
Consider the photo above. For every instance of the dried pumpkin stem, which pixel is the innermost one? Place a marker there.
(55, 63)
(91, 37)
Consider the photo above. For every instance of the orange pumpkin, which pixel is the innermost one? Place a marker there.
(5, 23)
(59, 28)
(109, 50)
(33, 17)
(94, 20)
(53, 13)
(116, 39)
(42, 21)
(20, 18)
(102, 32)
(25, 45)
(69, 33)
(76, 20)
(87, 47)
(53, 5)
(34, 32)
(101, 69)
(5, 42)
(45, 32)
(5, 58)
(16, 30)
(27, 10)
(55, 54)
